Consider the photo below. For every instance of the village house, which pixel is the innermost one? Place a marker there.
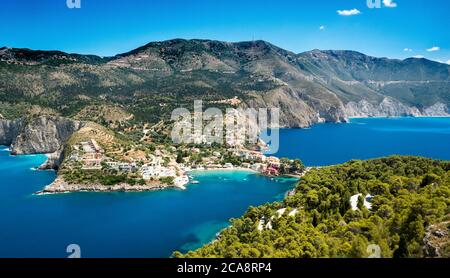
(228, 165)
(253, 156)
(258, 167)
(273, 162)
(127, 167)
(155, 172)
(92, 155)
(113, 165)
(271, 172)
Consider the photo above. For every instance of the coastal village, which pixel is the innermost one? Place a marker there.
(171, 168)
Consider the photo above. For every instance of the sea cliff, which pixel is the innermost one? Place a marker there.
(38, 135)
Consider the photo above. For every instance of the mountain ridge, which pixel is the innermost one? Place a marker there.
(206, 40)
(309, 87)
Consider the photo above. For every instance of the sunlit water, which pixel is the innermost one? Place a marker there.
(155, 224)
(327, 144)
(152, 224)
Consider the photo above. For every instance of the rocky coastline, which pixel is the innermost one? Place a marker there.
(60, 186)
(48, 135)
(39, 135)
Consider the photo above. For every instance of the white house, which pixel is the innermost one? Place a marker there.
(149, 172)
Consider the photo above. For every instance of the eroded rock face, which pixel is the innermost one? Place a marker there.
(437, 241)
(392, 108)
(9, 131)
(438, 109)
(54, 160)
(41, 135)
(294, 112)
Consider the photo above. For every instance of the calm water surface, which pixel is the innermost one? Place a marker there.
(150, 224)
(327, 144)
(155, 224)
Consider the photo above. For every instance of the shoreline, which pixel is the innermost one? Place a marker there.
(240, 169)
(375, 117)
(60, 186)
(237, 169)
(400, 117)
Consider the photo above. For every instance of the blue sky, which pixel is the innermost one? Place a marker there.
(108, 27)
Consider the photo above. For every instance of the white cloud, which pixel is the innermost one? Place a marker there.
(322, 27)
(348, 12)
(407, 50)
(389, 3)
(433, 49)
(448, 62)
(419, 57)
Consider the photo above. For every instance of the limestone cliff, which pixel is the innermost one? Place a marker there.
(9, 131)
(40, 135)
(392, 108)
(43, 135)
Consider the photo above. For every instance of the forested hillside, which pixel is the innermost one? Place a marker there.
(408, 215)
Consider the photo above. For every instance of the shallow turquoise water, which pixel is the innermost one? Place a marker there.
(150, 224)
(327, 144)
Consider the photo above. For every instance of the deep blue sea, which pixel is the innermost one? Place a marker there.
(154, 224)
(328, 144)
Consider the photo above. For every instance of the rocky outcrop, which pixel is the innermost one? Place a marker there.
(392, 108)
(9, 130)
(437, 241)
(54, 160)
(40, 135)
(60, 186)
(387, 108)
(43, 135)
(438, 109)
(294, 112)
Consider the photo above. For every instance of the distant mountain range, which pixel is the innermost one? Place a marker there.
(149, 82)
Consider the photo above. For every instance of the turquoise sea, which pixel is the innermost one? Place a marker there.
(154, 224)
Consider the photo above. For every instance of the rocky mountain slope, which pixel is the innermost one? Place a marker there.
(149, 82)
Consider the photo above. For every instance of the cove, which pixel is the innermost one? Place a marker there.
(135, 225)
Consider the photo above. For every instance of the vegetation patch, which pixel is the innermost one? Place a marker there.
(410, 195)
